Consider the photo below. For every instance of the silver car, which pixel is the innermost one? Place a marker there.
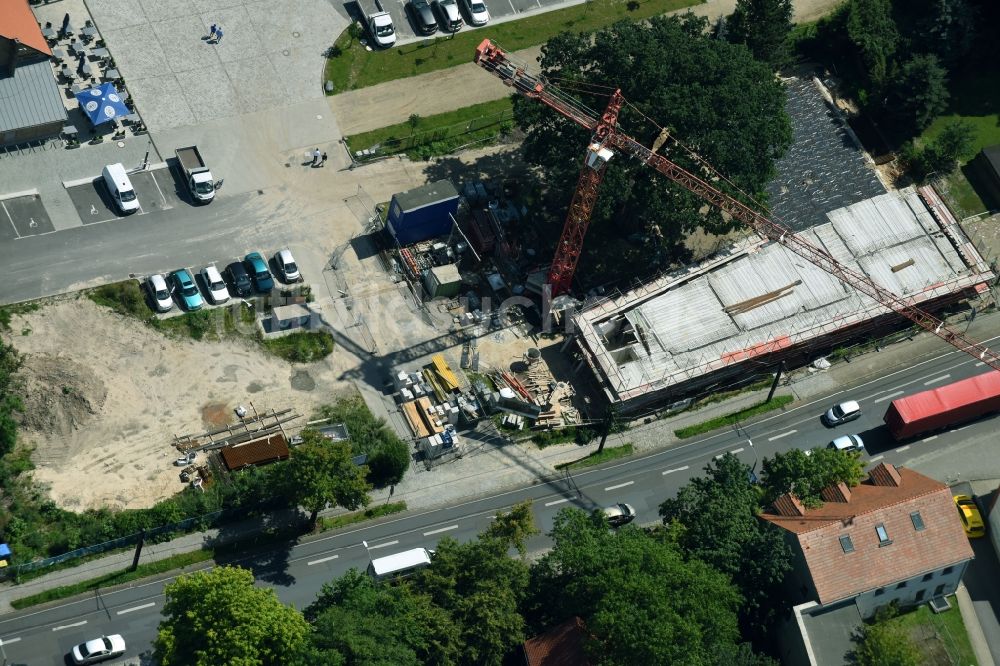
(847, 443)
(287, 266)
(214, 285)
(619, 514)
(99, 649)
(159, 292)
(476, 11)
(842, 413)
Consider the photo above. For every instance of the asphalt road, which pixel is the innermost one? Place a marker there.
(297, 570)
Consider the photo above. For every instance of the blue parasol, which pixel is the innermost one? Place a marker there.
(102, 103)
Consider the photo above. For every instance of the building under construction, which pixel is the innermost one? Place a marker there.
(742, 311)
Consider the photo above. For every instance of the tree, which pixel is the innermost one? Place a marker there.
(389, 463)
(918, 94)
(10, 401)
(940, 157)
(725, 106)
(763, 25)
(643, 602)
(945, 28)
(716, 520)
(873, 32)
(359, 621)
(513, 528)
(806, 476)
(321, 472)
(218, 617)
(883, 643)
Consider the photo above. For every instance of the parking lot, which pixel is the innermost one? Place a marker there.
(26, 216)
(499, 10)
(156, 189)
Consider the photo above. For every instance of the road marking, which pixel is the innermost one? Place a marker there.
(620, 485)
(784, 434)
(889, 396)
(927, 439)
(383, 545)
(676, 469)
(69, 626)
(979, 364)
(10, 218)
(321, 560)
(903, 448)
(739, 450)
(135, 608)
(153, 176)
(937, 379)
(876, 458)
(558, 501)
(8, 641)
(962, 428)
(442, 529)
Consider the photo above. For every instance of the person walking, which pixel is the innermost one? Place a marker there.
(218, 34)
(323, 161)
(317, 158)
(211, 32)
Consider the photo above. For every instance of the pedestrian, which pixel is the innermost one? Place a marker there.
(65, 25)
(218, 34)
(317, 157)
(323, 161)
(211, 32)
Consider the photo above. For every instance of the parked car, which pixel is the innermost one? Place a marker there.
(257, 268)
(422, 16)
(238, 279)
(619, 514)
(187, 290)
(847, 443)
(842, 413)
(285, 262)
(99, 649)
(451, 19)
(159, 292)
(476, 11)
(972, 520)
(216, 287)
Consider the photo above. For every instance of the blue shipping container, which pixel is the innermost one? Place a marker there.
(423, 212)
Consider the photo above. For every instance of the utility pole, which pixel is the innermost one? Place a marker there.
(609, 416)
(138, 549)
(774, 384)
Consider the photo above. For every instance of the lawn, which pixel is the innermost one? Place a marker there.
(777, 402)
(595, 458)
(941, 638)
(351, 66)
(440, 134)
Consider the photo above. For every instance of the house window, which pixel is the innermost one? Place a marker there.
(883, 536)
(918, 522)
(938, 590)
(847, 544)
(901, 585)
(947, 570)
(928, 577)
(920, 595)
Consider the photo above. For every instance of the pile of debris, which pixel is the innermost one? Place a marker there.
(544, 400)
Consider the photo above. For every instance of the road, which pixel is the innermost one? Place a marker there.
(297, 570)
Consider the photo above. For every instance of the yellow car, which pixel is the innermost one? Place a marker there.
(972, 521)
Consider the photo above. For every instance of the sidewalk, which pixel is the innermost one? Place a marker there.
(464, 85)
(494, 469)
(972, 627)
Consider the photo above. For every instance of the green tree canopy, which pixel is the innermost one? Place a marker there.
(763, 25)
(918, 94)
(871, 29)
(319, 472)
(513, 528)
(726, 107)
(806, 476)
(716, 520)
(643, 602)
(218, 617)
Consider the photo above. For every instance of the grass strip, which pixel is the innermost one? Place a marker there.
(335, 522)
(944, 631)
(595, 458)
(777, 402)
(351, 66)
(421, 138)
(301, 346)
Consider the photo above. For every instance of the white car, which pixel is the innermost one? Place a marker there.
(159, 292)
(451, 18)
(287, 266)
(214, 285)
(476, 11)
(99, 649)
(847, 443)
(842, 413)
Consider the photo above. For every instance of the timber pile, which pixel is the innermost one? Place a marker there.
(248, 428)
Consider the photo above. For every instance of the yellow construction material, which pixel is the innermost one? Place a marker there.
(441, 369)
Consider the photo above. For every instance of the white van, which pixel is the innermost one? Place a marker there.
(400, 564)
(120, 188)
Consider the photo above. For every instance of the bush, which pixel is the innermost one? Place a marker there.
(302, 346)
(389, 463)
(123, 297)
(940, 157)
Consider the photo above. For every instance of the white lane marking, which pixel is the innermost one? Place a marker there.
(784, 434)
(442, 529)
(889, 396)
(979, 364)
(937, 379)
(558, 501)
(903, 448)
(676, 469)
(8, 641)
(383, 545)
(876, 459)
(153, 176)
(962, 428)
(620, 485)
(927, 439)
(135, 608)
(739, 450)
(321, 560)
(4, 206)
(69, 626)
(719, 457)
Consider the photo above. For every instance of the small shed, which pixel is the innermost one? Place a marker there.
(287, 317)
(422, 212)
(988, 166)
(443, 281)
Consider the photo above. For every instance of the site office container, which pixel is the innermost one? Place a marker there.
(944, 406)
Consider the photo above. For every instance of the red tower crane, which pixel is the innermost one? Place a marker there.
(607, 138)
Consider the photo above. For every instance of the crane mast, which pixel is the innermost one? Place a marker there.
(607, 136)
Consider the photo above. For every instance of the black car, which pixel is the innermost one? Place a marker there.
(238, 279)
(422, 16)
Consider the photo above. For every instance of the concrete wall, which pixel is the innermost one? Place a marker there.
(993, 520)
(792, 638)
(913, 591)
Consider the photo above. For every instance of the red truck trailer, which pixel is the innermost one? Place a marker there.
(944, 406)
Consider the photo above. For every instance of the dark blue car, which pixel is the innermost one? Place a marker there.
(257, 268)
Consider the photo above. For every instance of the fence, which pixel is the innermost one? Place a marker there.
(440, 140)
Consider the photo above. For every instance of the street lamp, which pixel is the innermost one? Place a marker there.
(753, 470)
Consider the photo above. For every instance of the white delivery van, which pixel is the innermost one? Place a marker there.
(400, 564)
(120, 188)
